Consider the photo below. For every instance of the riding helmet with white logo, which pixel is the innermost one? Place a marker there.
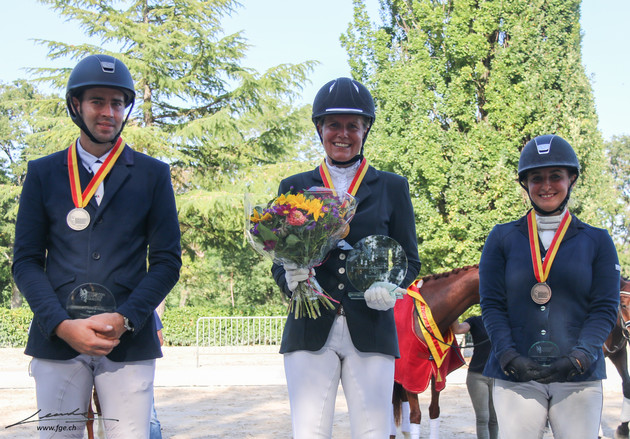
(344, 96)
(547, 151)
(99, 71)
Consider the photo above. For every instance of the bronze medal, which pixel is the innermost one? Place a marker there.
(78, 219)
(541, 293)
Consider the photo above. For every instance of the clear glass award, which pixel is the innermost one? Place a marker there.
(544, 352)
(90, 299)
(375, 258)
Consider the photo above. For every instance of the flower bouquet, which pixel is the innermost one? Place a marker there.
(300, 229)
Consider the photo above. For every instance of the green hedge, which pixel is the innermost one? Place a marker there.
(14, 327)
(179, 323)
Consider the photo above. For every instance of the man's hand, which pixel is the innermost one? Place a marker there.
(113, 319)
(88, 336)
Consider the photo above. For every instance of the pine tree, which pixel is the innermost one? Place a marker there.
(197, 108)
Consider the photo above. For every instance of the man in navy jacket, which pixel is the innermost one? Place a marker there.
(96, 213)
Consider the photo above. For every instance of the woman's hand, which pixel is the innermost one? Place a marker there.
(294, 275)
(381, 296)
(524, 369)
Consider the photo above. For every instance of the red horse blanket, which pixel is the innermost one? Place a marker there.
(417, 364)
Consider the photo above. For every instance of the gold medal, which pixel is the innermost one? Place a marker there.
(78, 218)
(541, 293)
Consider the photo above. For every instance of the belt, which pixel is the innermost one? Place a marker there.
(341, 311)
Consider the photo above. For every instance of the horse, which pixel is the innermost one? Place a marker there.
(615, 349)
(447, 295)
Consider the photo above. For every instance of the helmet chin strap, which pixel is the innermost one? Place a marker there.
(354, 159)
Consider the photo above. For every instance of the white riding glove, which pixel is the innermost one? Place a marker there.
(381, 296)
(295, 275)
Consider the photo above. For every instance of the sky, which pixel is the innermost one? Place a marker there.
(294, 31)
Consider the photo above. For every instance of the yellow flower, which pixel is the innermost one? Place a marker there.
(257, 218)
(311, 206)
(315, 208)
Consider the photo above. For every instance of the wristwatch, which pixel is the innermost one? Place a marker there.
(127, 324)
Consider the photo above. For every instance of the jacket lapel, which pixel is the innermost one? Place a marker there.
(364, 192)
(117, 176)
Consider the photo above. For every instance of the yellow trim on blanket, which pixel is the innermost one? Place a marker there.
(433, 339)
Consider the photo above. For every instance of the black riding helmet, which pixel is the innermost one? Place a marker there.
(543, 152)
(99, 71)
(344, 96)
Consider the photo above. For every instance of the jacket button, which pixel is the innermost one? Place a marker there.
(341, 286)
(542, 308)
(96, 255)
(543, 332)
(342, 256)
(342, 270)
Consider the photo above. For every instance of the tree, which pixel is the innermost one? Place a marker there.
(619, 155)
(197, 108)
(460, 87)
(17, 123)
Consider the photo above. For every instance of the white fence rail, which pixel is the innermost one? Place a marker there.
(239, 335)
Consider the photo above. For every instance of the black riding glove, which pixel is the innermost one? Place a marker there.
(562, 370)
(523, 369)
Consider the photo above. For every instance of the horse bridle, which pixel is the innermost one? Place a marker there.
(625, 324)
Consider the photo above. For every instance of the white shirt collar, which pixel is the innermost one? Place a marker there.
(88, 159)
(342, 177)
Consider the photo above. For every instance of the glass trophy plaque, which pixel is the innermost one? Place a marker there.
(544, 352)
(90, 299)
(375, 258)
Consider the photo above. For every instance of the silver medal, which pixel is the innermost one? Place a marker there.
(78, 218)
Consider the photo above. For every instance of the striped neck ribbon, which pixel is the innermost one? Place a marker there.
(81, 199)
(356, 181)
(541, 269)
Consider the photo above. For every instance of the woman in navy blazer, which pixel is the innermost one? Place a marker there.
(356, 342)
(65, 237)
(549, 287)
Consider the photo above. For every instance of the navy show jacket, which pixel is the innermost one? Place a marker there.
(50, 259)
(584, 281)
(384, 208)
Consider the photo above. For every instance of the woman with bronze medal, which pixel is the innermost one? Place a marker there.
(549, 287)
(355, 343)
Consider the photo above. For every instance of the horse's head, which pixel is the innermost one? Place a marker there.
(624, 307)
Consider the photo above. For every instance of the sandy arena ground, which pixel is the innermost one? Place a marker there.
(245, 396)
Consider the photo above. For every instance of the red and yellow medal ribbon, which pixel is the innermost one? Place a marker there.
(356, 181)
(438, 345)
(81, 199)
(541, 269)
